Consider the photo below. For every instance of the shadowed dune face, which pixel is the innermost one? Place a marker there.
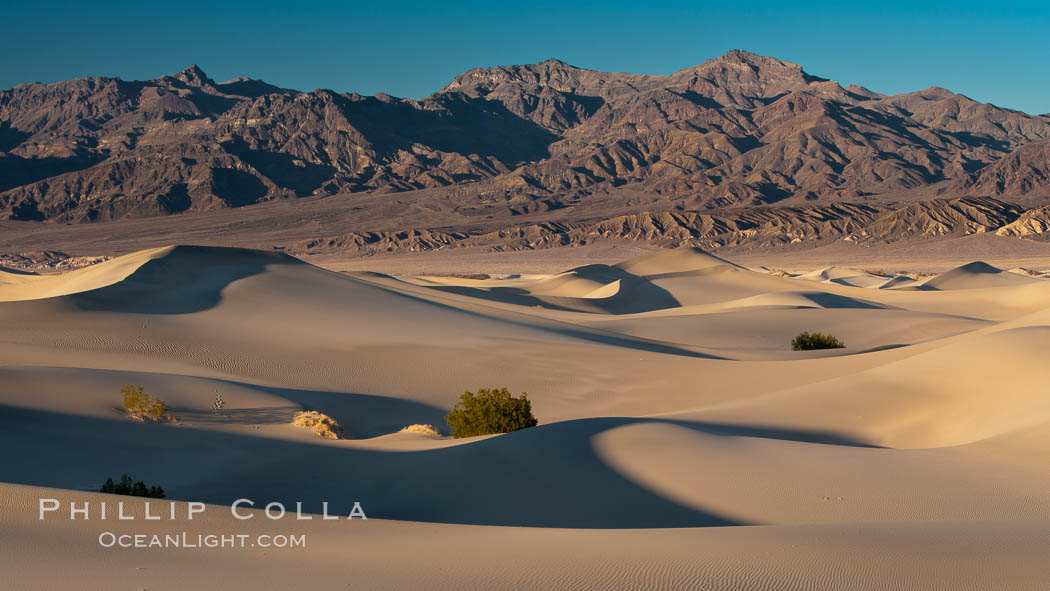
(167, 280)
(665, 388)
(186, 279)
(8, 274)
(596, 289)
(546, 477)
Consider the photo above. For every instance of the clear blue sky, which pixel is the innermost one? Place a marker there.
(992, 51)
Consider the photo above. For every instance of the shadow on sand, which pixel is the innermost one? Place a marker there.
(635, 294)
(548, 476)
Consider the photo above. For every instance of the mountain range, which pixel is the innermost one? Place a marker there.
(738, 137)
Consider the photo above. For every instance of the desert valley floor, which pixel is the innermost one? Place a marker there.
(681, 445)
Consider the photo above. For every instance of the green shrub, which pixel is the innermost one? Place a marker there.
(127, 487)
(490, 411)
(142, 406)
(809, 342)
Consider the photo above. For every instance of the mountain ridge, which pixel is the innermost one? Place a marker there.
(736, 131)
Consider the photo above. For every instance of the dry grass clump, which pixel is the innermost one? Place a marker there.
(321, 424)
(1032, 272)
(878, 272)
(423, 429)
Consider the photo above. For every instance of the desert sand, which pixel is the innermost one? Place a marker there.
(681, 445)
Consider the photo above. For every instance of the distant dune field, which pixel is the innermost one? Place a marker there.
(681, 443)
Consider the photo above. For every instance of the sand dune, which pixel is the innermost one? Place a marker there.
(900, 282)
(681, 442)
(941, 396)
(83, 280)
(681, 260)
(975, 275)
(9, 276)
(841, 276)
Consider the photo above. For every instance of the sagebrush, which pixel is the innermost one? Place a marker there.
(808, 342)
(490, 411)
(142, 406)
(127, 487)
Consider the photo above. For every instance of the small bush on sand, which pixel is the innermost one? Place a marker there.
(142, 406)
(808, 342)
(126, 487)
(490, 411)
(321, 424)
(423, 429)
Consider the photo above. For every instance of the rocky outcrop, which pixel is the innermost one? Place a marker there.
(940, 217)
(1023, 172)
(1034, 223)
(753, 227)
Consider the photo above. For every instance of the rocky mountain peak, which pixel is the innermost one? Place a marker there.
(534, 74)
(738, 58)
(935, 93)
(741, 56)
(193, 76)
